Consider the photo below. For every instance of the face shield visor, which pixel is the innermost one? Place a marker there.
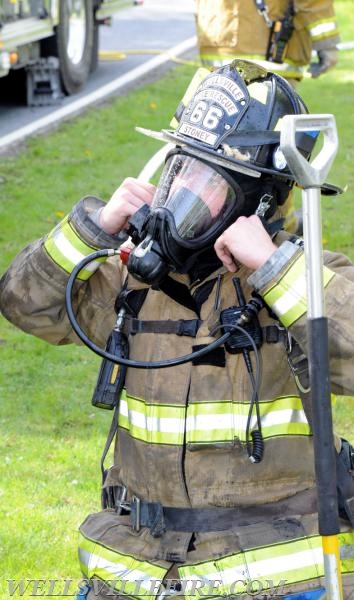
(193, 204)
(196, 200)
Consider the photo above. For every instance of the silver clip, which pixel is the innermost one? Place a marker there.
(136, 502)
(120, 319)
(262, 8)
(264, 204)
(121, 503)
(265, 16)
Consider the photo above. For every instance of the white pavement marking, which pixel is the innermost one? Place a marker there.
(76, 106)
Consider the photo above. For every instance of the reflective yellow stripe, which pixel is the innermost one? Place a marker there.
(129, 574)
(207, 422)
(265, 568)
(281, 416)
(67, 249)
(323, 29)
(295, 561)
(288, 297)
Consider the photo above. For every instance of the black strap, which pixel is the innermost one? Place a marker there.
(215, 358)
(112, 430)
(179, 293)
(188, 327)
(160, 518)
(131, 301)
(252, 138)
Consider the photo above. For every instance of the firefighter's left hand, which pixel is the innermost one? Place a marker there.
(327, 59)
(246, 242)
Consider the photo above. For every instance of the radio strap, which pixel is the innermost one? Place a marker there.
(280, 33)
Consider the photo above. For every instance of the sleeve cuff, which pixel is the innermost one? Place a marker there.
(274, 265)
(84, 217)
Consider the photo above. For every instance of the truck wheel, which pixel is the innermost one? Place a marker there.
(95, 48)
(75, 38)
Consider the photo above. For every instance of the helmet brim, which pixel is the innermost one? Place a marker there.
(229, 162)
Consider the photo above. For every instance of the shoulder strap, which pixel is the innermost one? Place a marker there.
(131, 301)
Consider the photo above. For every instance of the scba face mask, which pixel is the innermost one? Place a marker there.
(193, 204)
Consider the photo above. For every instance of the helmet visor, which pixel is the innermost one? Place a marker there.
(197, 196)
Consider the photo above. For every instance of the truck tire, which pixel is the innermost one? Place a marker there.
(73, 43)
(75, 40)
(95, 48)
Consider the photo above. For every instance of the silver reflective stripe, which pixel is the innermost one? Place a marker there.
(321, 29)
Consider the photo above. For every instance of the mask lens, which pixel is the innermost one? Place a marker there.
(195, 194)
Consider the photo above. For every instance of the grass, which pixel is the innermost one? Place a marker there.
(52, 437)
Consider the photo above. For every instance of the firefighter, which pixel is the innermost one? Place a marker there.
(212, 488)
(279, 34)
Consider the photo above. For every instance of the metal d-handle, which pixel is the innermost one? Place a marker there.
(309, 174)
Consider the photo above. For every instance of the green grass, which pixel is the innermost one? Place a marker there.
(52, 437)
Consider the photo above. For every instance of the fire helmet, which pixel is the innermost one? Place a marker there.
(233, 119)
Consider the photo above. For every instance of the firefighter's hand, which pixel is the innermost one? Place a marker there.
(126, 200)
(245, 242)
(327, 59)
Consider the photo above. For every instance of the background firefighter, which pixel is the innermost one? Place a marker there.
(213, 476)
(279, 34)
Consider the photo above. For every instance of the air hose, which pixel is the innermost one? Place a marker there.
(112, 357)
(255, 447)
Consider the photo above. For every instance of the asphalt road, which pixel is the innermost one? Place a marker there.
(141, 43)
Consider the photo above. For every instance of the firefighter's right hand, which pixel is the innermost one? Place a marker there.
(327, 59)
(126, 200)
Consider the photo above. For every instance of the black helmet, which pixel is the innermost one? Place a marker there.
(233, 119)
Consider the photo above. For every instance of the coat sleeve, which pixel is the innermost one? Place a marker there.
(282, 284)
(318, 17)
(32, 290)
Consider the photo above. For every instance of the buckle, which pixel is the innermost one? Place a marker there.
(121, 503)
(298, 364)
(133, 507)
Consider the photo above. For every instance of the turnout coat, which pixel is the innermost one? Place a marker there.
(228, 29)
(181, 430)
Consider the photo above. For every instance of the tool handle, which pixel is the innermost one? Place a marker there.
(309, 174)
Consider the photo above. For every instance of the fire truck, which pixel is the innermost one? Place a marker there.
(52, 44)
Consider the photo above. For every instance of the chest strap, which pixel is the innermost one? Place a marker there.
(188, 327)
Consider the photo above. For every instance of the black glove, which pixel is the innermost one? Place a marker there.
(326, 60)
